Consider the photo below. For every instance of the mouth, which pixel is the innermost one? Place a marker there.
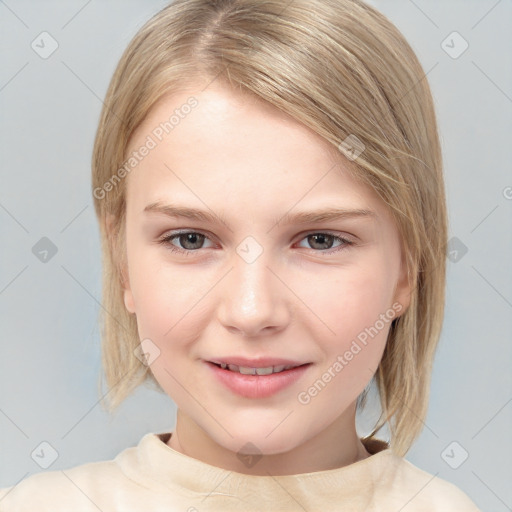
(257, 379)
(260, 370)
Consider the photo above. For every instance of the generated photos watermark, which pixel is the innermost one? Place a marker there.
(152, 140)
(343, 360)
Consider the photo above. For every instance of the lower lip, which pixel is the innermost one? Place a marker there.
(257, 386)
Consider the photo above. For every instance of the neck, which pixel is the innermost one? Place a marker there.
(336, 446)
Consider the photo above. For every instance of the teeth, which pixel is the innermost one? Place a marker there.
(246, 370)
(264, 371)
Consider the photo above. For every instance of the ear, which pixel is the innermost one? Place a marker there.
(118, 261)
(403, 288)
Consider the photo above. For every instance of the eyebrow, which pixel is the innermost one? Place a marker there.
(304, 217)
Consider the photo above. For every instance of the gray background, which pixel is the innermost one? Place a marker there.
(50, 345)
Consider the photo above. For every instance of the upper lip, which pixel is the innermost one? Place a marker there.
(260, 362)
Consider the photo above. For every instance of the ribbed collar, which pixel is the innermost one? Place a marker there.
(155, 465)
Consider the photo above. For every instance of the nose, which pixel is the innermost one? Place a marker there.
(253, 300)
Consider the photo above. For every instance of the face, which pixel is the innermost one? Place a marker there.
(240, 250)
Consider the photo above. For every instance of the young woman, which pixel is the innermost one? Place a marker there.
(268, 182)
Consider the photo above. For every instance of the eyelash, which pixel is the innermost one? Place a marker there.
(166, 241)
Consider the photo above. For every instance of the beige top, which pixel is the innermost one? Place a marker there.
(153, 477)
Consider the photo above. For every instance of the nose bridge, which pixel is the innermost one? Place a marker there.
(252, 284)
(252, 298)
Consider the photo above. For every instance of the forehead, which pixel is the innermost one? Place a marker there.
(233, 149)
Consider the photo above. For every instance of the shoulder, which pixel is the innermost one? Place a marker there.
(81, 487)
(422, 491)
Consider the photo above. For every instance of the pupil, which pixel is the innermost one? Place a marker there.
(191, 238)
(321, 239)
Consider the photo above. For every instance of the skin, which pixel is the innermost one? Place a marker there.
(250, 164)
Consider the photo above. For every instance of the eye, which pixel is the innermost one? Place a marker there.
(324, 241)
(188, 241)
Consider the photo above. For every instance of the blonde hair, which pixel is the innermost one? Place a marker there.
(342, 69)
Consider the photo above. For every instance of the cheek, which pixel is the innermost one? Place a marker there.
(351, 321)
(161, 296)
(349, 303)
(351, 355)
(165, 302)
(168, 314)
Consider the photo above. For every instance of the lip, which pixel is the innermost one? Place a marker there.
(257, 386)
